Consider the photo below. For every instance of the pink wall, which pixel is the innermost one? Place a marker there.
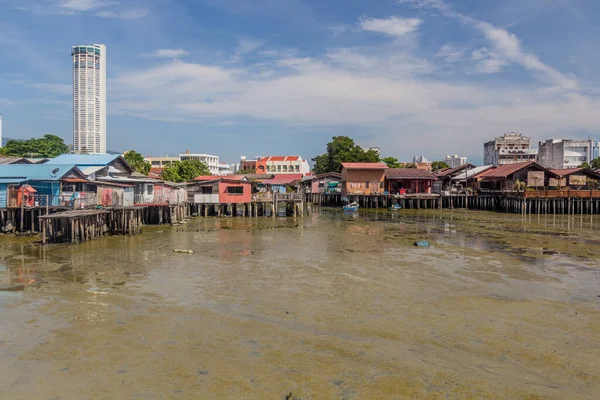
(225, 197)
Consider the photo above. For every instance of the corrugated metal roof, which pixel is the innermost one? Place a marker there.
(454, 170)
(90, 170)
(12, 160)
(283, 179)
(408, 173)
(473, 172)
(36, 172)
(506, 170)
(364, 165)
(84, 159)
(11, 180)
(571, 171)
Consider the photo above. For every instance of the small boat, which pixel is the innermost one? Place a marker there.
(351, 207)
(422, 243)
(395, 207)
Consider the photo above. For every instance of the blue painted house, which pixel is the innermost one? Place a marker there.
(46, 179)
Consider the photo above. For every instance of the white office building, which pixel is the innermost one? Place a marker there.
(566, 153)
(212, 161)
(455, 160)
(89, 98)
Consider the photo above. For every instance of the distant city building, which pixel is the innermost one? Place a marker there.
(89, 98)
(224, 169)
(509, 148)
(455, 160)
(282, 165)
(208, 159)
(419, 159)
(0, 130)
(161, 162)
(234, 168)
(247, 165)
(566, 153)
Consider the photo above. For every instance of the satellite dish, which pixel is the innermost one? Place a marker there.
(55, 170)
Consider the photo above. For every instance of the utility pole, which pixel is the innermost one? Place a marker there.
(466, 183)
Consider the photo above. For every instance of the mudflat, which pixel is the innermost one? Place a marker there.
(330, 306)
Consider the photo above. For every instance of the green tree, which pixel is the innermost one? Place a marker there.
(437, 165)
(391, 162)
(137, 162)
(585, 165)
(342, 149)
(48, 146)
(596, 163)
(184, 171)
(410, 165)
(246, 171)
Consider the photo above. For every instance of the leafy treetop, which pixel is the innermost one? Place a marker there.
(391, 162)
(342, 149)
(137, 162)
(585, 165)
(437, 165)
(184, 171)
(48, 146)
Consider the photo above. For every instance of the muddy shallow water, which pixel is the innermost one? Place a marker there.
(331, 306)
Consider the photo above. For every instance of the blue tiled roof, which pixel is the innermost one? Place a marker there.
(34, 172)
(88, 160)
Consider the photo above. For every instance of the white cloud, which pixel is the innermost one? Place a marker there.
(487, 62)
(506, 46)
(124, 14)
(96, 8)
(450, 53)
(392, 26)
(84, 5)
(245, 47)
(170, 53)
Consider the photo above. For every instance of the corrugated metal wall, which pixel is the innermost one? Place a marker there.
(3, 195)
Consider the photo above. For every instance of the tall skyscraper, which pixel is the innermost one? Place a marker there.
(89, 98)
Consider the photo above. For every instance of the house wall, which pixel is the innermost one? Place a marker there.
(227, 198)
(50, 188)
(3, 194)
(363, 181)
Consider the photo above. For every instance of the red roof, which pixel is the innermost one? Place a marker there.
(280, 158)
(504, 171)
(282, 179)
(571, 171)
(215, 177)
(359, 165)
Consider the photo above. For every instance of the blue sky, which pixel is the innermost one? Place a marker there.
(260, 77)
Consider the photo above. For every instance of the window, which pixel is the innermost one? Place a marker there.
(150, 189)
(285, 168)
(297, 168)
(381, 185)
(279, 168)
(235, 190)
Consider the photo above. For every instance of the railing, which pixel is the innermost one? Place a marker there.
(74, 200)
(289, 197)
(562, 193)
(262, 197)
(150, 198)
(206, 198)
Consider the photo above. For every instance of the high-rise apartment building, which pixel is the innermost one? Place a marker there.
(509, 148)
(454, 160)
(89, 98)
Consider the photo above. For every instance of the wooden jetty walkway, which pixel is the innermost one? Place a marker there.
(77, 226)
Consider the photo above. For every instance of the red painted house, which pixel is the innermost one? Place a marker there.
(223, 191)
